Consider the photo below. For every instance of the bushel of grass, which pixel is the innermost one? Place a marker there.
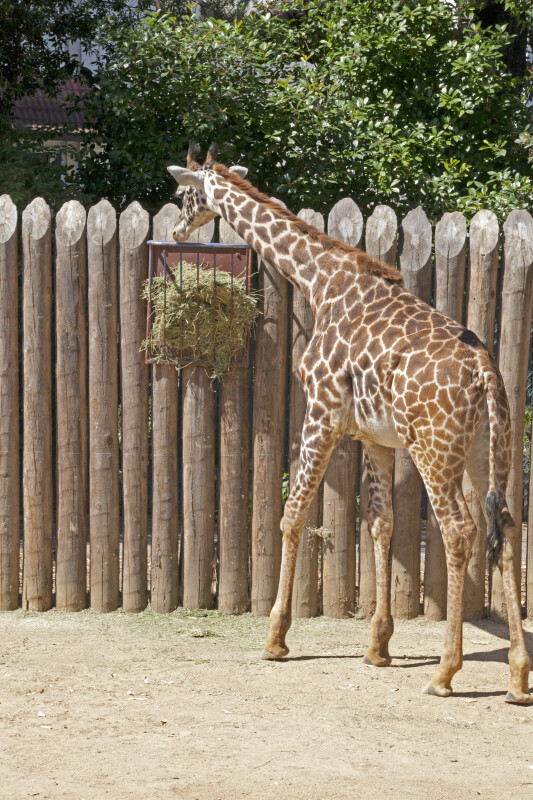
(204, 318)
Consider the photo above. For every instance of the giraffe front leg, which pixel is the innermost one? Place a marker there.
(379, 467)
(280, 616)
(318, 440)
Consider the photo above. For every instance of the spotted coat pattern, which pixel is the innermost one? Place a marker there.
(390, 371)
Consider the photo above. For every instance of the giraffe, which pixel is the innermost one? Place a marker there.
(390, 371)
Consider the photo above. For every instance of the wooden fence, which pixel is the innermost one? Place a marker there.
(142, 485)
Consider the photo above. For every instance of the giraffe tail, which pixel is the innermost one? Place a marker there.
(495, 504)
(494, 528)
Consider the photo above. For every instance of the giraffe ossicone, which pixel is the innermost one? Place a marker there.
(390, 371)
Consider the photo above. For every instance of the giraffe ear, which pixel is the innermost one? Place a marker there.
(242, 172)
(186, 177)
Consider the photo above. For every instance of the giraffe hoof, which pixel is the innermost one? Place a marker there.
(268, 655)
(519, 698)
(438, 691)
(377, 660)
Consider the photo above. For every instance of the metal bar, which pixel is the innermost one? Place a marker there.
(231, 303)
(181, 304)
(164, 303)
(197, 302)
(215, 303)
(196, 245)
(149, 310)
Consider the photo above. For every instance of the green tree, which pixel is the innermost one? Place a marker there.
(35, 54)
(35, 39)
(399, 102)
(517, 16)
(30, 167)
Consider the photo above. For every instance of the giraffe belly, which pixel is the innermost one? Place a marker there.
(375, 426)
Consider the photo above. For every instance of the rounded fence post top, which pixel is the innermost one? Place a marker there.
(36, 219)
(70, 223)
(450, 234)
(345, 222)
(417, 240)
(484, 232)
(381, 230)
(312, 218)
(8, 218)
(164, 221)
(101, 222)
(134, 225)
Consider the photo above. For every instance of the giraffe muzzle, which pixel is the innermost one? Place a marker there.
(180, 233)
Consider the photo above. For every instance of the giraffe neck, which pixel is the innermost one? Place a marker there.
(277, 240)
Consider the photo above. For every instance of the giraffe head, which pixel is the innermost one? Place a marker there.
(197, 190)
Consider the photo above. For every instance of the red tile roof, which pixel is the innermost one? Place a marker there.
(39, 110)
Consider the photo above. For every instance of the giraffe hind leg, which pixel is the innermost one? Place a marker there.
(519, 660)
(379, 465)
(477, 466)
(458, 533)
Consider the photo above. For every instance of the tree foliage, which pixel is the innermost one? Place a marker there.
(31, 167)
(388, 101)
(399, 102)
(36, 53)
(35, 38)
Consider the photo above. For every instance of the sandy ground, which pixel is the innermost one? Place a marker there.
(180, 706)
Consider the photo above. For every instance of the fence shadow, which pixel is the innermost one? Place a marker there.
(501, 630)
(325, 656)
(500, 655)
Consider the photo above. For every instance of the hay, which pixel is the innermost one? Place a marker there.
(193, 331)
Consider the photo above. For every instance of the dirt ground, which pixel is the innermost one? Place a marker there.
(180, 706)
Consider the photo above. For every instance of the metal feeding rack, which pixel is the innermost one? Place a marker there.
(166, 260)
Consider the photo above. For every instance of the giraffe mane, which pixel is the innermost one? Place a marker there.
(365, 263)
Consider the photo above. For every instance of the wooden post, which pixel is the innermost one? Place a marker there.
(198, 487)
(72, 412)
(483, 276)
(415, 263)
(37, 406)
(481, 316)
(340, 515)
(164, 583)
(513, 353)
(103, 406)
(198, 436)
(133, 232)
(345, 222)
(268, 423)
(450, 243)
(305, 592)
(233, 523)
(380, 241)
(9, 408)
(529, 554)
